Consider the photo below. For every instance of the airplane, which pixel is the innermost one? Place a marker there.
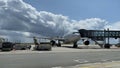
(72, 38)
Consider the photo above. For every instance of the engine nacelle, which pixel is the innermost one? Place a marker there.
(86, 42)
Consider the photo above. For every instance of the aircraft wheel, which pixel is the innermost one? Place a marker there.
(59, 45)
(107, 46)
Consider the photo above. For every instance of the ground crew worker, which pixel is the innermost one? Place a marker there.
(52, 42)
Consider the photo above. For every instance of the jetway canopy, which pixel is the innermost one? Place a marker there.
(99, 34)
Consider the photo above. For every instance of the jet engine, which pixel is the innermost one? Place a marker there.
(86, 42)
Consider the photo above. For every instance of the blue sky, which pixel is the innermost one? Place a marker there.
(80, 9)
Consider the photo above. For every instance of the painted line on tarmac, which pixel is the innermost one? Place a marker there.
(114, 64)
(80, 60)
(58, 67)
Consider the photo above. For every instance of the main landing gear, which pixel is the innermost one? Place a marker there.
(75, 45)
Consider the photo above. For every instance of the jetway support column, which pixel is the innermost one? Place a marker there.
(107, 45)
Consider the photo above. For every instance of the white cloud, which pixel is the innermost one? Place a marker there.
(114, 26)
(92, 23)
(18, 18)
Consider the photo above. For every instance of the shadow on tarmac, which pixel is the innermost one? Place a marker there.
(83, 47)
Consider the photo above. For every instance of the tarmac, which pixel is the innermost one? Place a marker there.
(81, 48)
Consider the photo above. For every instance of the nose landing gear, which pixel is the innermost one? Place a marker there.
(75, 45)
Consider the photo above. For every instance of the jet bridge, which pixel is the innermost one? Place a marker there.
(100, 35)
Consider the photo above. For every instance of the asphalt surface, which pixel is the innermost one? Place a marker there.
(60, 57)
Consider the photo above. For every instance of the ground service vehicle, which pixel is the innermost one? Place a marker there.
(7, 46)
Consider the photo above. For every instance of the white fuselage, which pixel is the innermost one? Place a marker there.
(71, 38)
